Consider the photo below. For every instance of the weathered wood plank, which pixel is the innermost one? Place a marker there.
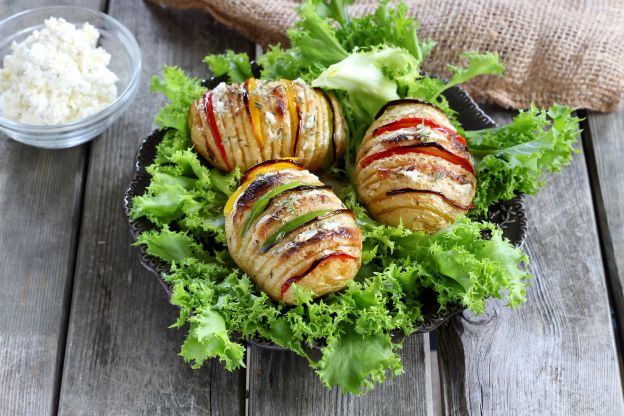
(40, 198)
(120, 357)
(280, 383)
(556, 355)
(606, 148)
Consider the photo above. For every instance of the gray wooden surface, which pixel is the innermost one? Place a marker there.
(120, 356)
(85, 327)
(606, 145)
(40, 198)
(557, 354)
(282, 384)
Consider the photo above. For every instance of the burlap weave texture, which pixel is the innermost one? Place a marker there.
(565, 51)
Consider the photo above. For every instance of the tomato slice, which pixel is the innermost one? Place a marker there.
(253, 106)
(214, 129)
(432, 149)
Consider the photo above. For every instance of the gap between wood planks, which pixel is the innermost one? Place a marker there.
(69, 289)
(604, 238)
(69, 285)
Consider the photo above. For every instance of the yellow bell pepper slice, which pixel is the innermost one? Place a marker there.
(257, 170)
(293, 111)
(253, 106)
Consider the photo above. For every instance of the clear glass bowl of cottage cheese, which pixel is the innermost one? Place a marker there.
(35, 128)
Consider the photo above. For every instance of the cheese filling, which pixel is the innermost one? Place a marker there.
(56, 75)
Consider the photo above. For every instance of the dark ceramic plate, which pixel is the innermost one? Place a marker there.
(510, 215)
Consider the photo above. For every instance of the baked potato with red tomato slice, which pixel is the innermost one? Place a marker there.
(414, 168)
(284, 226)
(240, 125)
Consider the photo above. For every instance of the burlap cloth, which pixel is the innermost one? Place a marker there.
(565, 51)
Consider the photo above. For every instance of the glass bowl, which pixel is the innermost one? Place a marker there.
(125, 63)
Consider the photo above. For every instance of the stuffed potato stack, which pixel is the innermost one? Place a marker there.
(413, 167)
(283, 226)
(244, 124)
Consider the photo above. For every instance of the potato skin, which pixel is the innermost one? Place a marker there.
(424, 192)
(322, 255)
(271, 120)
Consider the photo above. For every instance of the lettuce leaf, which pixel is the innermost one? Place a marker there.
(370, 79)
(514, 158)
(314, 37)
(234, 66)
(183, 190)
(181, 90)
(172, 247)
(478, 64)
(208, 338)
(355, 362)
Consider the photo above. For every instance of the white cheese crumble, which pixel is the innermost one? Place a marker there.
(328, 225)
(56, 75)
(221, 88)
(416, 176)
(270, 118)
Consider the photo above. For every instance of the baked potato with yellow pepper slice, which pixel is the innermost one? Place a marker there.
(284, 226)
(414, 168)
(239, 125)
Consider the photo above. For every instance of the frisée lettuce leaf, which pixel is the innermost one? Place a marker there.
(235, 66)
(181, 90)
(514, 158)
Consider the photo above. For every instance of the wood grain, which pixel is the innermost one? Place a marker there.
(556, 355)
(606, 147)
(40, 198)
(280, 383)
(120, 356)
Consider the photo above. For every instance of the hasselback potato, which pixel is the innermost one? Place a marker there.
(413, 167)
(283, 226)
(244, 124)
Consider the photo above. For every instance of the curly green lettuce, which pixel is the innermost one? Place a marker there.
(235, 66)
(181, 91)
(356, 325)
(514, 159)
(184, 191)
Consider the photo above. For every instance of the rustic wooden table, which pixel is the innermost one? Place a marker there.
(83, 326)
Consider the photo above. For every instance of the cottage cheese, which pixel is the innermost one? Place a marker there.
(56, 75)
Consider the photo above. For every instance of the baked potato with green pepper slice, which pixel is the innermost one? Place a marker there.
(284, 226)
